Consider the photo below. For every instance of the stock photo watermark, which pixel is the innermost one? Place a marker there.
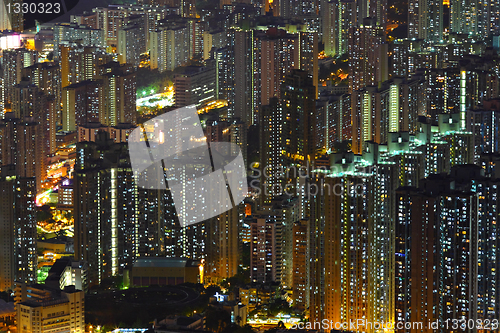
(363, 325)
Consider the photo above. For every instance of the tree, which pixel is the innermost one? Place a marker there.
(6, 296)
(68, 215)
(217, 320)
(43, 215)
(278, 306)
(245, 329)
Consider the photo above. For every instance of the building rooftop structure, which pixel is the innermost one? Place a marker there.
(166, 262)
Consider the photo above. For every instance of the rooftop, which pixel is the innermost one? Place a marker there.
(6, 308)
(166, 262)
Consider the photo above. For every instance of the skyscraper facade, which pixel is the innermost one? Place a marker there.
(425, 20)
(13, 62)
(263, 58)
(477, 19)
(18, 252)
(298, 96)
(83, 103)
(196, 85)
(445, 219)
(106, 214)
(338, 16)
(169, 47)
(354, 247)
(119, 91)
(368, 65)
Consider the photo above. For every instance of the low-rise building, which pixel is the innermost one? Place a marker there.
(256, 294)
(41, 309)
(68, 272)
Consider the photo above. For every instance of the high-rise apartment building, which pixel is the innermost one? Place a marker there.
(298, 95)
(271, 249)
(415, 246)
(18, 254)
(213, 39)
(187, 8)
(271, 149)
(83, 103)
(32, 105)
(81, 63)
(376, 9)
(368, 64)
(263, 247)
(47, 77)
(403, 57)
(110, 20)
(22, 147)
(169, 47)
(489, 18)
(119, 91)
(308, 48)
(484, 125)
(195, 86)
(225, 84)
(425, 20)
(471, 178)
(13, 63)
(229, 130)
(158, 213)
(276, 53)
(352, 278)
(478, 19)
(294, 8)
(461, 148)
(445, 255)
(450, 91)
(140, 21)
(338, 17)
(106, 213)
(26, 100)
(221, 246)
(132, 40)
(68, 33)
(333, 113)
(263, 58)
(243, 83)
(10, 19)
(393, 106)
(300, 257)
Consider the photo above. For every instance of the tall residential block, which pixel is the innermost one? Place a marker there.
(18, 253)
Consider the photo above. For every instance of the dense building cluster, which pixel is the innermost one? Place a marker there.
(373, 160)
